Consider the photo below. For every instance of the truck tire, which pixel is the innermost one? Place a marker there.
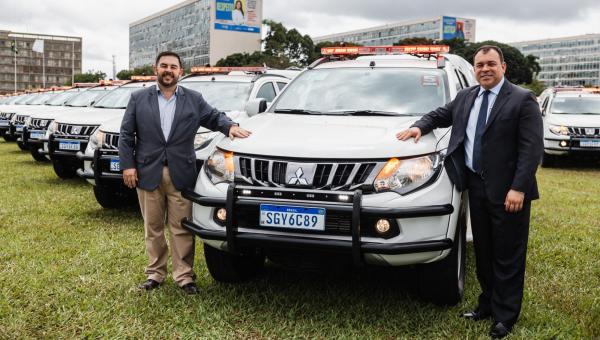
(113, 196)
(9, 138)
(64, 170)
(36, 155)
(232, 268)
(442, 282)
(22, 146)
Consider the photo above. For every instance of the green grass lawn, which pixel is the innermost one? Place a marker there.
(69, 268)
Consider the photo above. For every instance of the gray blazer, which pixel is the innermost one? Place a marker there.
(142, 144)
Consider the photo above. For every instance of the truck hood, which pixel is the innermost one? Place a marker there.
(327, 137)
(90, 116)
(574, 120)
(53, 112)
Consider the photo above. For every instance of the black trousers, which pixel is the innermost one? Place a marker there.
(500, 241)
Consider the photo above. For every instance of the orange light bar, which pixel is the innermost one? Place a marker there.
(85, 84)
(143, 78)
(202, 69)
(373, 50)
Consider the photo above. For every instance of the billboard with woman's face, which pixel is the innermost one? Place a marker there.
(458, 28)
(237, 15)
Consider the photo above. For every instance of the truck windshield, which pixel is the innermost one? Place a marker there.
(87, 97)
(61, 98)
(224, 96)
(366, 91)
(576, 105)
(117, 98)
(40, 98)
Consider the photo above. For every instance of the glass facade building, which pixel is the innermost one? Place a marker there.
(569, 61)
(183, 28)
(437, 28)
(62, 59)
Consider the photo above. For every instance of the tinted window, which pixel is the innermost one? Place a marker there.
(266, 91)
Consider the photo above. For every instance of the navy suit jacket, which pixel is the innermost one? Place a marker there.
(142, 144)
(512, 143)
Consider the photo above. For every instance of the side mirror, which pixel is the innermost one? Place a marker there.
(256, 106)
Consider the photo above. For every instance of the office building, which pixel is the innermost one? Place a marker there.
(55, 58)
(438, 28)
(200, 31)
(567, 61)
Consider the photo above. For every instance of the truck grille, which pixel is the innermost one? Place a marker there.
(74, 130)
(111, 141)
(326, 175)
(20, 120)
(584, 132)
(37, 124)
(6, 115)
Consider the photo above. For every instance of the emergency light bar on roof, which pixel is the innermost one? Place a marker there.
(143, 78)
(375, 50)
(227, 69)
(86, 84)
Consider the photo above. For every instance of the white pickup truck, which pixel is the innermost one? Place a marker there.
(323, 177)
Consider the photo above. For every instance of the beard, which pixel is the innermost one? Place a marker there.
(160, 77)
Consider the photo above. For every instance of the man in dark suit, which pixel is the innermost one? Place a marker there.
(494, 150)
(156, 150)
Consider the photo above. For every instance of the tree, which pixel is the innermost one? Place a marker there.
(533, 64)
(145, 70)
(290, 48)
(535, 86)
(242, 59)
(89, 77)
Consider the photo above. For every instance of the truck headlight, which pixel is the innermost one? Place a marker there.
(406, 175)
(96, 140)
(559, 130)
(203, 139)
(219, 166)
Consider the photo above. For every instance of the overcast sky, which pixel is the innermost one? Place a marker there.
(104, 25)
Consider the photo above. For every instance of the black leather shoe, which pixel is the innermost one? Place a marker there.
(500, 330)
(190, 288)
(149, 285)
(476, 315)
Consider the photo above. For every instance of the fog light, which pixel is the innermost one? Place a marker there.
(382, 226)
(563, 143)
(246, 192)
(222, 214)
(343, 197)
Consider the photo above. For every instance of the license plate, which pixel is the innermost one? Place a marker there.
(68, 146)
(19, 128)
(37, 135)
(3, 123)
(281, 216)
(115, 165)
(586, 143)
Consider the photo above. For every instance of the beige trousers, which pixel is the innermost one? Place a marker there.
(166, 205)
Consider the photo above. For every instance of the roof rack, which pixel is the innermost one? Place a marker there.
(143, 78)
(225, 70)
(343, 52)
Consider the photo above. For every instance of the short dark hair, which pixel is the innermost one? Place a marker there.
(486, 48)
(168, 54)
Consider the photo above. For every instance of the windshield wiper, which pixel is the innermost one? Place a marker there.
(298, 111)
(369, 113)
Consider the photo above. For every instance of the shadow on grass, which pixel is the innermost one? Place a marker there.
(577, 163)
(75, 181)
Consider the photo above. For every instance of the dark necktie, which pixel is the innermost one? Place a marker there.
(481, 119)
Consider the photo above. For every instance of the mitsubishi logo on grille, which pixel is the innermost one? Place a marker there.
(590, 131)
(298, 180)
(76, 130)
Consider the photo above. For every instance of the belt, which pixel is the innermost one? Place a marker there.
(165, 162)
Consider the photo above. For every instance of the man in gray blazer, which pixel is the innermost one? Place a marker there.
(156, 150)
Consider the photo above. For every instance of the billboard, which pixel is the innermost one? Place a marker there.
(458, 28)
(237, 15)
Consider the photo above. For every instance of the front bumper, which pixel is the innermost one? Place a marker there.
(55, 151)
(237, 200)
(570, 145)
